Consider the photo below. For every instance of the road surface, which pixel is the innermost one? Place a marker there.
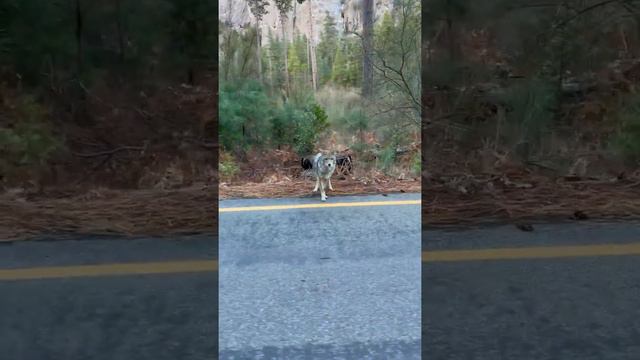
(564, 291)
(301, 279)
(99, 298)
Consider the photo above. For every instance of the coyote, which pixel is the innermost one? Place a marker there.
(322, 167)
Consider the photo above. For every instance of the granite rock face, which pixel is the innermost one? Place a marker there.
(237, 14)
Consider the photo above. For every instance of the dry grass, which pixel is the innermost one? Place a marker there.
(302, 188)
(544, 200)
(149, 212)
(143, 213)
(193, 210)
(463, 187)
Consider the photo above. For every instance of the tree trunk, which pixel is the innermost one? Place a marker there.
(80, 113)
(192, 28)
(230, 12)
(285, 46)
(259, 50)
(367, 46)
(271, 82)
(79, 24)
(450, 36)
(309, 70)
(191, 75)
(293, 22)
(119, 29)
(312, 51)
(228, 56)
(246, 56)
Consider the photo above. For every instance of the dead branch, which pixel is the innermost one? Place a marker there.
(583, 11)
(202, 143)
(111, 152)
(105, 103)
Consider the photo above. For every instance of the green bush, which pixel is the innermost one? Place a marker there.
(308, 129)
(356, 120)
(531, 106)
(627, 142)
(359, 147)
(416, 163)
(387, 158)
(30, 141)
(248, 117)
(282, 127)
(227, 167)
(245, 115)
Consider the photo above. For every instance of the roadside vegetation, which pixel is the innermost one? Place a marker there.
(104, 93)
(107, 117)
(301, 96)
(531, 110)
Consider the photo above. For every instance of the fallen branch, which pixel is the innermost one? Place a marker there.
(94, 169)
(110, 152)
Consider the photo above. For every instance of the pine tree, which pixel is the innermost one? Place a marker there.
(339, 66)
(347, 64)
(327, 48)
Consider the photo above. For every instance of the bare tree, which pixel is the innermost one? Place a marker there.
(391, 61)
(397, 61)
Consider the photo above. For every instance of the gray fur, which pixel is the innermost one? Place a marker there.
(323, 168)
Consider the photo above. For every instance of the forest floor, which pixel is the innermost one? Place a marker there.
(456, 192)
(155, 212)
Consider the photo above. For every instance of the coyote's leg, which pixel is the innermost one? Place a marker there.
(330, 187)
(317, 183)
(323, 196)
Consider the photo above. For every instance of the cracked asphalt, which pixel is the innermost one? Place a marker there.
(320, 283)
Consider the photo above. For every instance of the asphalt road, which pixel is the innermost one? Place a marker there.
(320, 282)
(341, 280)
(162, 307)
(568, 308)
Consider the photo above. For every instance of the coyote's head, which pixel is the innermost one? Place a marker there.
(329, 162)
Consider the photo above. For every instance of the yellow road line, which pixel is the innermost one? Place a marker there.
(547, 252)
(320, 205)
(196, 266)
(52, 272)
